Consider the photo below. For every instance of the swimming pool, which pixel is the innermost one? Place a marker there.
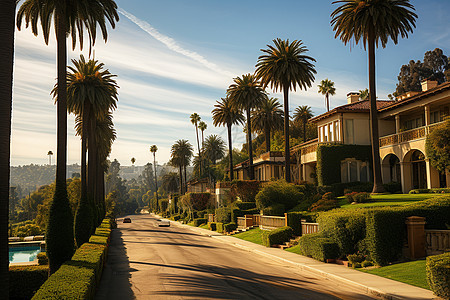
(23, 254)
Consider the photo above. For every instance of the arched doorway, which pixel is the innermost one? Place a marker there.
(419, 171)
(391, 168)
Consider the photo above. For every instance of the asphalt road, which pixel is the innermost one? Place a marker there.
(150, 262)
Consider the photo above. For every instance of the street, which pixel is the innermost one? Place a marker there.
(150, 262)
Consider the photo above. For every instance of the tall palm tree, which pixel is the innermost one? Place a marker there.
(181, 154)
(303, 114)
(170, 182)
(50, 154)
(70, 18)
(372, 22)
(7, 14)
(214, 148)
(202, 126)
(326, 87)
(225, 114)
(284, 66)
(267, 117)
(153, 150)
(246, 93)
(133, 160)
(195, 119)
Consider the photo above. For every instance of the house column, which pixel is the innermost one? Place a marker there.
(432, 175)
(427, 115)
(385, 171)
(397, 123)
(405, 172)
(341, 128)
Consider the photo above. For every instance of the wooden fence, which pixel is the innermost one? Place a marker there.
(309, 227)
(273, 222)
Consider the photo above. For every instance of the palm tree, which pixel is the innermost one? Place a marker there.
(195, 119)
(372, 22)
(364, 94)
(70, 18)
(7, 14)
(284, 66)
(224, 114)
(267, 117)
(50, 154)
(153, 150)
(303, 114)
(326, 87)
(214, 148)
(181, 154)
(202, 126)
(246, 93)
(170, 182)
(133, 160)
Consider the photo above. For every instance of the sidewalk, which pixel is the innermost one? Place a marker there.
(373, 285)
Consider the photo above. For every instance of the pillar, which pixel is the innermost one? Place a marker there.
(406, 176)
(427, 115)
(416, 237)
(397, 123)
(432, 175)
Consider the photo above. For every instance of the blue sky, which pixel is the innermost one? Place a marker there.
(174, 58)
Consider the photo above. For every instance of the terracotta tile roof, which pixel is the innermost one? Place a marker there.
(359, 106)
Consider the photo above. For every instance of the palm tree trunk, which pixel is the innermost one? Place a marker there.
(230, 152)
(251, 174)
(92, 166)
(185, 180)
(267, 136)
(7, 14)
(156, 179)
(328, 102)
(198, 146)
(84, 135)
(377, 181)
(181, 180)
(287, 156)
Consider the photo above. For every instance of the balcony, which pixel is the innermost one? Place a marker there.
(406, 136)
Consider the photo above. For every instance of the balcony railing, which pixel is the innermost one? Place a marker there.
(438, 241)
(309, 149)
(406, 136)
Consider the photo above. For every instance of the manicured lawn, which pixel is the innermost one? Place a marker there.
(252, 235)
(204, 226)
(412, 272)
(295, 249)
(387, 200)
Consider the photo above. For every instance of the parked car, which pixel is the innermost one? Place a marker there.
(163, 223)
(126, 220)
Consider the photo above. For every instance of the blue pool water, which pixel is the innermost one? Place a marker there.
(23, 254)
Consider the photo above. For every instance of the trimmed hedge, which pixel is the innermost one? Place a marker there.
(230, 227)
(219, 227)
(294, 220)
(24, 281)
(276, 209)
(212, 226)
(245, 205)
(434, 190)
(78, 278)
(329, 157)
(277, 236)
(223, 215)
(42, 258)
(279, 192)
(318, 246)
(438, 274)
(200, 221)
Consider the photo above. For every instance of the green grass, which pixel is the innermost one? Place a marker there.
(412, 273)
(252, 235)
(295, 249)
(386, 200)
(204, 226)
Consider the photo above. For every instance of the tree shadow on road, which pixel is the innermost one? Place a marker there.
(115, 282)
(226, 282)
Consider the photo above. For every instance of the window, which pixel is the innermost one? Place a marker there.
(435, 117)
(349, 131)
(320, 134)
(337, 130)
(325, 133)
(355, 170)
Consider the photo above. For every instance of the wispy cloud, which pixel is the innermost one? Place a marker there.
(171, 43)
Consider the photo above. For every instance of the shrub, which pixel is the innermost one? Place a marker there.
(219, 226)
(276, 209)
(78, 277)
(366, 263)
(245, 190)
(294, 220)
(42, 258)
(24, 281)
(28, 230)
(199, 221)
(223, 215)
(212, 226)
(278, 192)
(356, 258)
(327, 202)
(339, 189)
(196, 201)
(176, 217)
(277, 236)
(361, 197)
(438, 274)
(317, 246)
(230, 227)
(163, 205)
(245, 205)
(434, 190)
(83, 222)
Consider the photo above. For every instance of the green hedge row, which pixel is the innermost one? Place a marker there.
(24, 281)
(277, 236)
(438, 274)
(426, 191)
(294, 220)
(318, 246)
(245, 205)
(200, 221)
(229, 227)
(78, 278)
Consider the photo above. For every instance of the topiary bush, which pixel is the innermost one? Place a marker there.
(230, 227)
(24, 281)
(223, 215)
(83, 222)
(276, 209)
(318, 246)
(294, 220)
(438, 274)
(278, 192)
(200, 221)
(219, 227)
(358, 197)
(277, 236)
(327, 202)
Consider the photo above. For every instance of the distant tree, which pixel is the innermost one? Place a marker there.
(181, 155)
(202, 126)
(195, 119)
(133, 160)
(326, 87)
(285, 66)
(224, 114)
(147, 178)
(364, 94)
(301, 115)
(153, 150)
(170, 182)
(437, 146)
(266, 118)
(50, 153)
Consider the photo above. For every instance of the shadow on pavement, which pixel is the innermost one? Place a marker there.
(173, 244)
(159, 231)
(115, 282)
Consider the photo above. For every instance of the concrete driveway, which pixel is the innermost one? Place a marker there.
(150, 262)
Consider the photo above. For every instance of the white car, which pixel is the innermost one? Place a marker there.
(163, 223)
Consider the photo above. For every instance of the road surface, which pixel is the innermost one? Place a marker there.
(150, 262)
